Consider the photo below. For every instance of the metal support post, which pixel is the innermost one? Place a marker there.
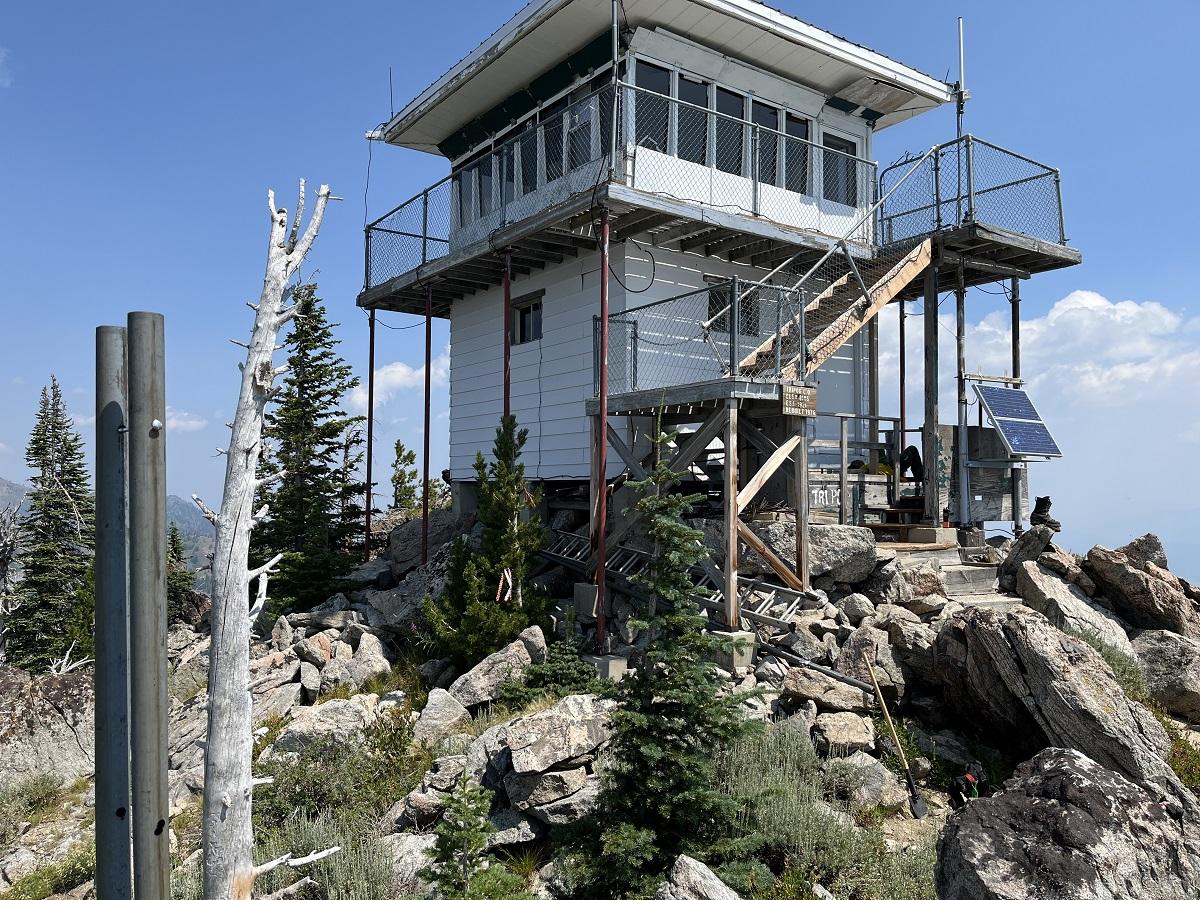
(843, 471)
(873, 384)
(930, 444)
(801, 500)
(147, 606)
(508, 323)
(113, 870)
(369, 500)
(730, 588)
(425, 430)
(960, 338)
(600, 447)
(903, 379)
(754, 170)
(735, 319)
(1018, 475)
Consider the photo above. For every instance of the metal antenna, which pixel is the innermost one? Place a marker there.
(963, 95)
(392, 93)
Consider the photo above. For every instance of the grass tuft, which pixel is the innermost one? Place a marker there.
(74, 869)
(28, 801)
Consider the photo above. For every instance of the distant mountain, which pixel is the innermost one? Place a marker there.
(198, 536)
(12, 493)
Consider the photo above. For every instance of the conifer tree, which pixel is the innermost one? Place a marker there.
(180, 578)
(657, 798)
(405, 483)
(313, 496)
(487, 599)
(58, 535)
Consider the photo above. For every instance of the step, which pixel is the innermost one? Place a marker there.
(996, 601)
(967, 581)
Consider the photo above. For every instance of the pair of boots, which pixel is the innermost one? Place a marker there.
(1041, 515)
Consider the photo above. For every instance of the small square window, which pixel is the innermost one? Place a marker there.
(526, 320)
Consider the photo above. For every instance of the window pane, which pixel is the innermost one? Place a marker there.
(485, 186)
(552, 138)
(840, 171)
(652, 113)
(718, 306)
(535, 312)
(529, 161)
(795, 155)
(730, 134)
(767, 117)
(466, 196)
(692, 140)
(508, 172)
(580, 120)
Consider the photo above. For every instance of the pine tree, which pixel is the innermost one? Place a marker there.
(315, 504)
(487, 599)
(405, 483)
(657, 798)
(180, 577)
(58, 535)
(458, 869)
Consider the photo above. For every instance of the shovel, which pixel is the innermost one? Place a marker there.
(920, 809)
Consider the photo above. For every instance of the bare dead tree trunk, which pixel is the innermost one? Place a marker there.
(229, 870)
(10, 536)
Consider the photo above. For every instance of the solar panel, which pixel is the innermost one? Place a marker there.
(1017, 421)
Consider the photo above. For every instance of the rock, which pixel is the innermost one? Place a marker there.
(281, 634)
(873, 784)
(1067, 607)
(442, 715)
(193, 608)
(856, 607)
(691, 879)
(869, 643)
(1065, 826)
(434, 672)
(911, 641)
(1066, 566)
(336, 720)
(841, 733)
(570, 808)
(369, 661)
(513, 828)
(540, 788)
(535, 643)
(404, 543)
(844, 553)
(924, 579)
(423, 805)
(802, 683)
(310, 681)
(188, 668)
(482, 683)
(1036, 687)
(375, 574)
(401, 608)
(887, 585)
(1171, 664)
(47, 725)
(1030, 545)
(945, 745)
(410, 854)
(1149, 598)
(574, 726)
(1146, 549)
(335, 672)
(317, 649)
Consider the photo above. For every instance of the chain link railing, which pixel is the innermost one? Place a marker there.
(971, 180)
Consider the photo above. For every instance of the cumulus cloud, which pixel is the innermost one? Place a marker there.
(1118, 384)
(398, 377)
(181, 420)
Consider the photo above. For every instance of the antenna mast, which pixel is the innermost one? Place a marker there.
(961, 92)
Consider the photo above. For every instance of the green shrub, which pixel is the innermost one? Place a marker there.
(562, 673)
(74, 869)
(1125, 667)
(1183, 756)
(26, 801)
(361, 870)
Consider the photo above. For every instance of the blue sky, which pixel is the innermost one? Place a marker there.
(137, 141)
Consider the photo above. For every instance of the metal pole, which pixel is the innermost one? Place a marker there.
(730, 588)
(600, 511)
(508, 323)
(425, 449)
(735, 321)
(960, 337)
(843, 471)
(616, 81)
(1017, 474)
(931, 443)
(903, 381)
(370, 498)
(113, 870)
(147, 606)
(800, 480)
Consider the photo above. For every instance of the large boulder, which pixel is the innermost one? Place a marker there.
(573, 727)
(47, 725)
(1067, 607)
(842, 733)
(1018, 675)
(844, 553)
(1030, 545)
(1147, 596)
(404, 543)
(343, 721)
(690, 879)
(869, 644)
(482, 684)
(801, 684)
(1146, 549)
(1066, 827)
(887, 584)
(369, 660)
(1171, 663)
(410, 854)
(570, 808)
(442, 716)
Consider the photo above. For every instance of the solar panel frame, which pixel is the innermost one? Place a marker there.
(1018, 422)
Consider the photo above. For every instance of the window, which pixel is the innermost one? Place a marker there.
(486, 200)
(552, 138)
(508, 172)
(580, 121)
(526, 319)
(720, 296)
(795, 155)
(466, 180)
(692, 138)
(840, 170)
(652, 114)
(529, 159)
(731, 134)
(767, 118)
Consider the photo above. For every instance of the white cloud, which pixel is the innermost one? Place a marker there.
(180, 420)
(4, 448)
(397, 377)
(6, 77)
(1119, 386)
(82, 420)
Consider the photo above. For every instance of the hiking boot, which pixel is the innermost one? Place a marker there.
(1041, 515)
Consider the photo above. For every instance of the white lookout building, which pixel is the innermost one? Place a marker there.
(669, 211)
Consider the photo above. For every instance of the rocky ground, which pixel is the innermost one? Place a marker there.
(1081, 689)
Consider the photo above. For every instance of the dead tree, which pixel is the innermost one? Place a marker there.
(228, 842)
(10, 520)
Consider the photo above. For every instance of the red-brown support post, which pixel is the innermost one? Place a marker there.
(507, 331)
(600, 513)
(425, 451)
(370, 498)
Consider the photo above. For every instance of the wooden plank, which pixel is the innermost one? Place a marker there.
(768, 469)
(786, 328)
(731, 509)
(627, 455)
(801, 502)
(764, 444)
(824, 345)
(778, 566)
